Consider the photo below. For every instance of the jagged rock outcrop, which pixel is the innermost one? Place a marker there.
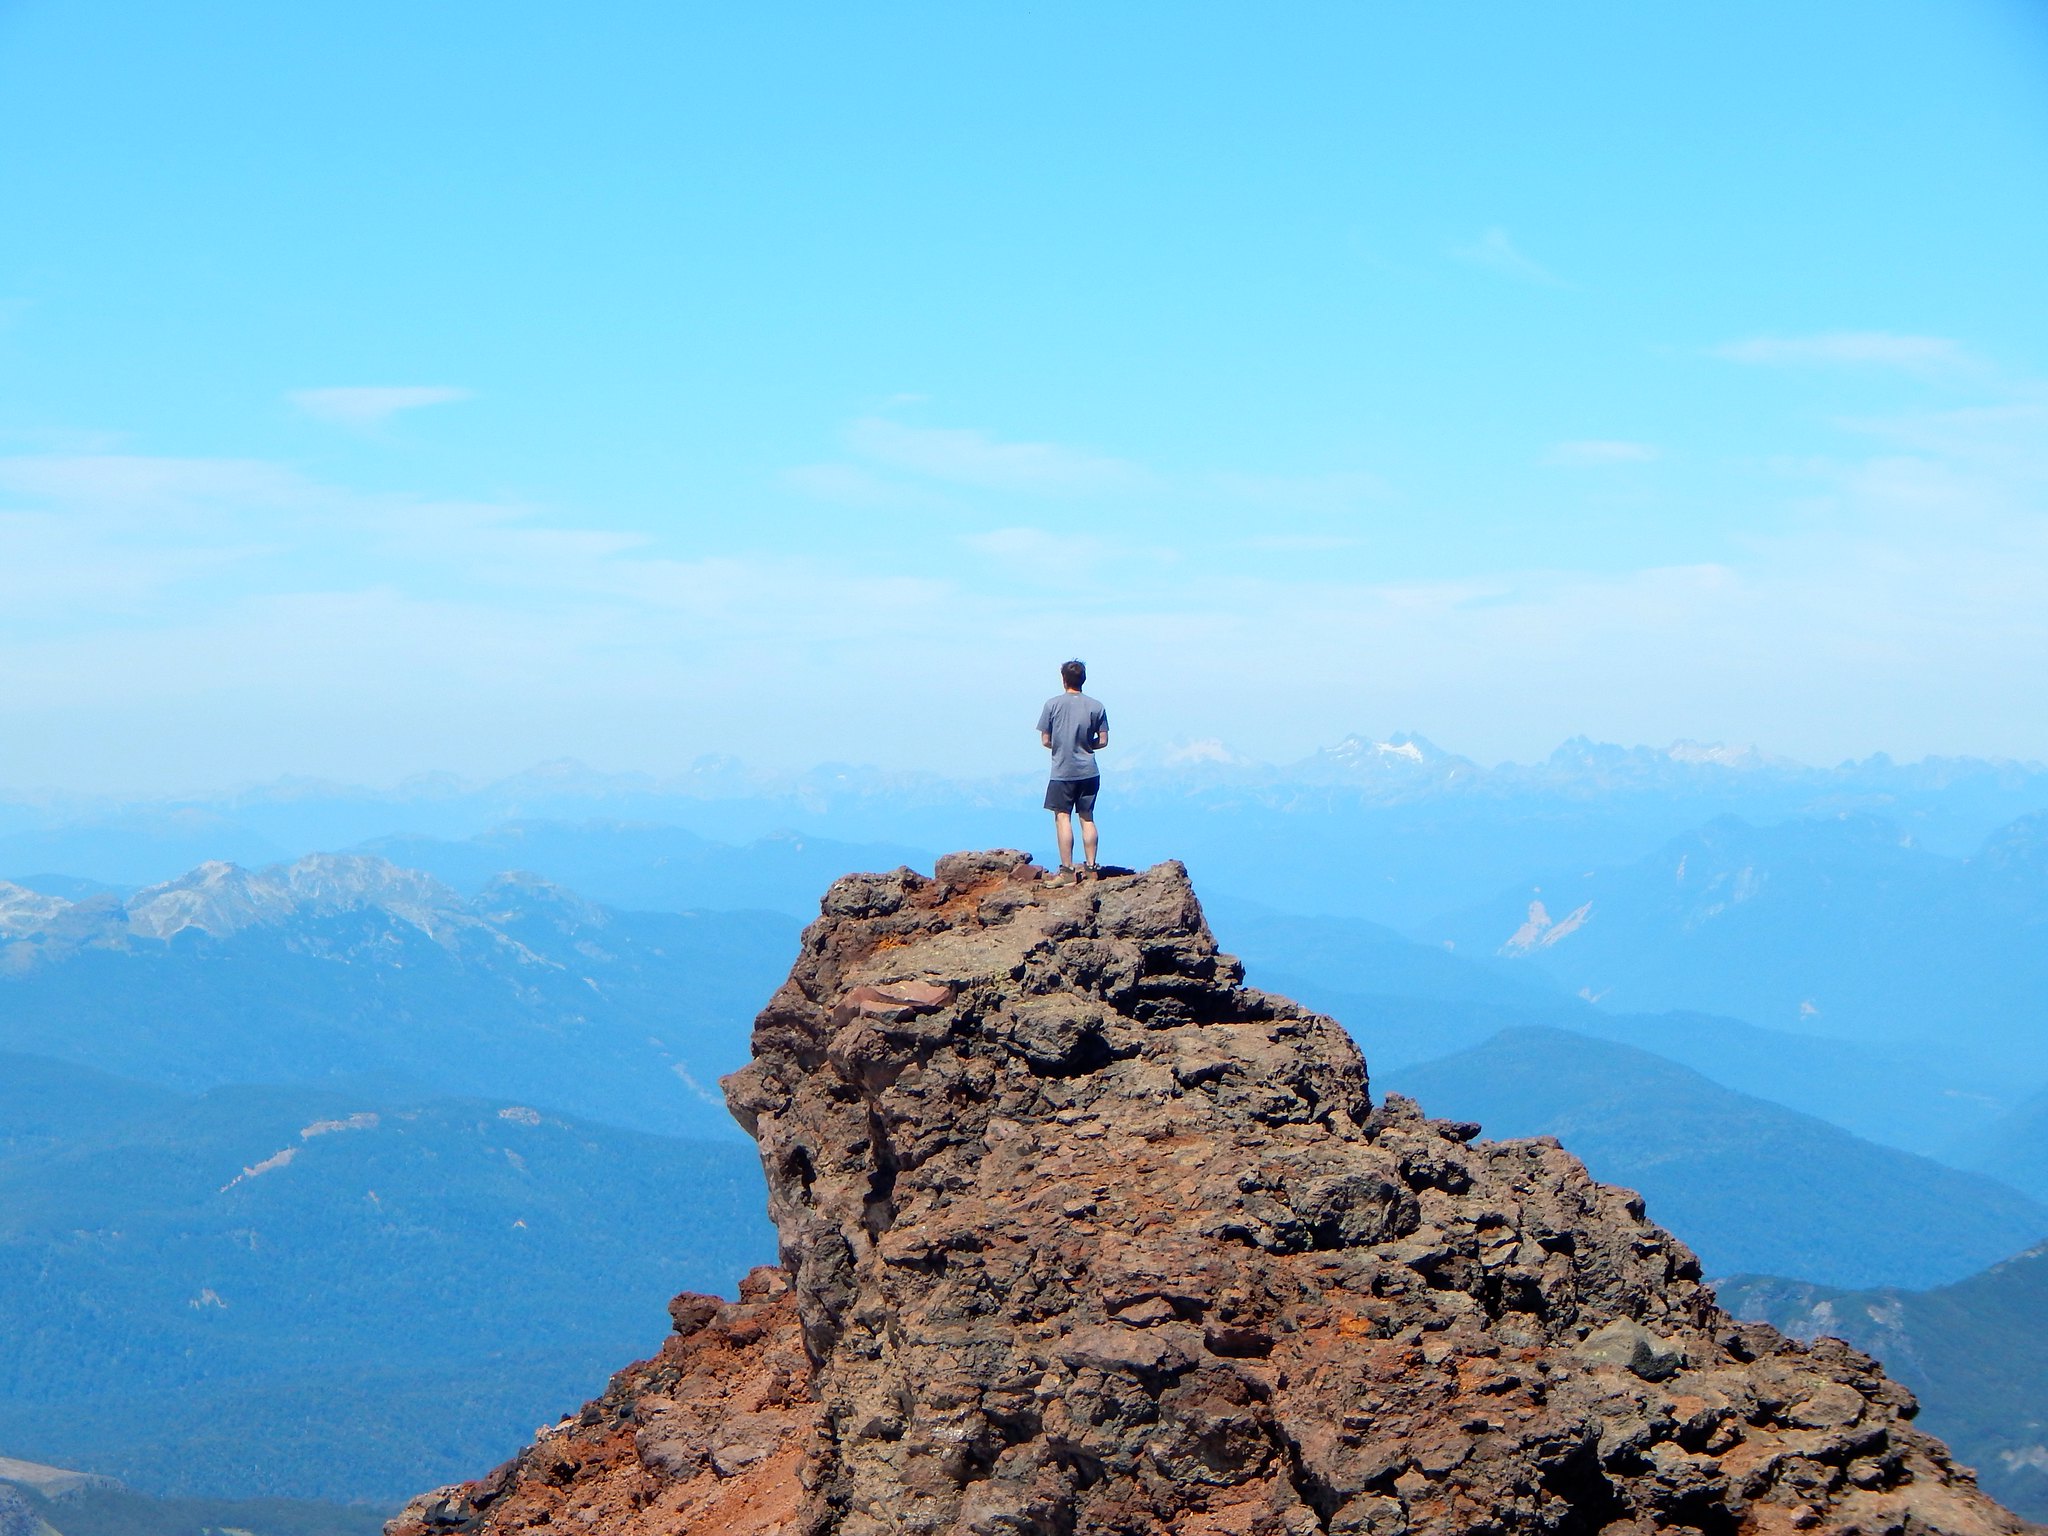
(1081, 1235)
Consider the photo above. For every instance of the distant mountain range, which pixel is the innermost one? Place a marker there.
(340, 969)
(1394, 830)
(1410, 1003)
(1975, 1352)
(1753, 1187)
(286, 1290)
(1843, 927)
(647, 867)
(348, 969)
(2016, 1147)
(472, 980)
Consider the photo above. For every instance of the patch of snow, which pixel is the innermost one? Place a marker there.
(270, 1164)
(1208, 750)
(1571, 924)
(1540, 931)
(366, 1121)
(1717, 753)
(520, 1113)
(1525, 938)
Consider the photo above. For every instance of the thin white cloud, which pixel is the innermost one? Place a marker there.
(855, 485)
(56, 569)
(1073, 562)
(2011, 438)
(371, 405)
(1337, 491)
(900, 465)
(146, 483)
(1301, 543)
(968, 456)
(1027, 544)
(1495, 252)
(1856, 349)
(71, 441)
(1597, 453)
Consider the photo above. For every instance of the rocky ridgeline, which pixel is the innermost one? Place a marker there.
(1081, 1235)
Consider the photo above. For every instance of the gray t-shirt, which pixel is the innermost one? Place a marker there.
(1073, 720)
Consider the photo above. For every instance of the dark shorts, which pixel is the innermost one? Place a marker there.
(1073, 795)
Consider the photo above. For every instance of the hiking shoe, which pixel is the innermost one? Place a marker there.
(1066, 875)
(1091, 871)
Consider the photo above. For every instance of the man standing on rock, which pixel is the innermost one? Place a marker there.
(1073, 727)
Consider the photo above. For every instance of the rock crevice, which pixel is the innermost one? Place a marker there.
(1080, 1234)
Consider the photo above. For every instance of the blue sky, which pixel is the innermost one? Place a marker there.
(387, 387)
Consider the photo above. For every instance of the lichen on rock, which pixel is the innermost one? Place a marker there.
(1080, 1234)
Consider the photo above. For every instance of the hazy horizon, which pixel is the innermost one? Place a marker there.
(1152, 758)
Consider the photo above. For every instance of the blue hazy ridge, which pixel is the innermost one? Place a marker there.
(321, 1294)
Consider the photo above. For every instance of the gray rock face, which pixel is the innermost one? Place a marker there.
(1081, 1235)
(17, 1516)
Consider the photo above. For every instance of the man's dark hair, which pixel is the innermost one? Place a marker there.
(1073, 673)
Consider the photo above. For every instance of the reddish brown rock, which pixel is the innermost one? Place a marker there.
(1080, 1235)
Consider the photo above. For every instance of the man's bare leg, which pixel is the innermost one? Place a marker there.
(1063, 830)
(1087, 841)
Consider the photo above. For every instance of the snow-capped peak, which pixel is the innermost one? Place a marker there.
(1714, 752)
(1186, 754)
(1401, 747)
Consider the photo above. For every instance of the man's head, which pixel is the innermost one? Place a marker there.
(1073, 674)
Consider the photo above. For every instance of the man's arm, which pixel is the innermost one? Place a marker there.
(1101, 739)
(1045, 740)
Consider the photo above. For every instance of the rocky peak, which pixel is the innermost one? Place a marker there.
(1079, 1234)
(324, 883)
(25, 911)
(217, 898)
(519, 894)
(223, 899)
